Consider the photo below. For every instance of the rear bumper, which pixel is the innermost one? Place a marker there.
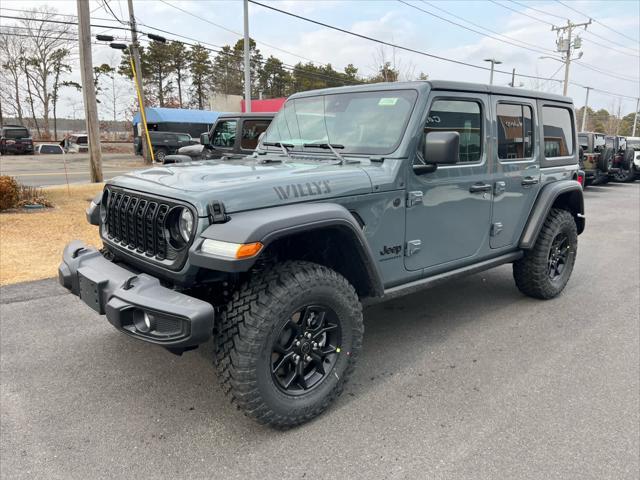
(136, 304)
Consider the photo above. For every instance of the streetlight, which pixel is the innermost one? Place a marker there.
(136, 80)
(493, 63)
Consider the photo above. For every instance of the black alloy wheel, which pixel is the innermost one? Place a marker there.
(306, 349)
(558, 256)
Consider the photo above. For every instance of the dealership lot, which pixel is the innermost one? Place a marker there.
(470, 379)
(45, 170)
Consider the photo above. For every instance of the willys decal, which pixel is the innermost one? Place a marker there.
(299, 190)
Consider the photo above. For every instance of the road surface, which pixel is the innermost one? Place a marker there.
(468, 380)
(46, 170)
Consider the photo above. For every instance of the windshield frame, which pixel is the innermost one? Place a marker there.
(359, 150)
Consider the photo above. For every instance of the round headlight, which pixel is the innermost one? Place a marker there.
(104, 203)
(186, 224)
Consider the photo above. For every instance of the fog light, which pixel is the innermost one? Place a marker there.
(143, 321)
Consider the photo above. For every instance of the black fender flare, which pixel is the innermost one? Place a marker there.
(270, 224)
(569, 193)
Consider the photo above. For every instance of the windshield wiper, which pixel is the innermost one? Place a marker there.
(328, 146)
(284, 146)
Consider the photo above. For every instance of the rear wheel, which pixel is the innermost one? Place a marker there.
(288, 342)
(544, 270)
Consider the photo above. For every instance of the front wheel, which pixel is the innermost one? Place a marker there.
(160, 154)
(544, 270)
(288, 341)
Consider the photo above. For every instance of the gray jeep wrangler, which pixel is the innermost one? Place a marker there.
(355, 194)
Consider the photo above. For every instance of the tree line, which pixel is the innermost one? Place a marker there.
(180, 75)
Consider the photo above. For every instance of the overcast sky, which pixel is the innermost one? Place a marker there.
(398, 23)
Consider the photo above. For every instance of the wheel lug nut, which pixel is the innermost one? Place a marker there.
(296, 358)
(298, 343)
(307, 358)
(314, 345)
(308, 335)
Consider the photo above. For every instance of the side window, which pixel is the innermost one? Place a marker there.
(462, 116)
(558, 132)
(251, 130)
(184, 138)
(515, 131)
(224, 135)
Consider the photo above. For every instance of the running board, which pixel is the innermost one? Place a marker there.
(433, 280)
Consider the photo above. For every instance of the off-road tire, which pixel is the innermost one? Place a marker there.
(601, 178)
(253, 319)
(627, 171)
(159, 154)
(605, 159)
(531, 272)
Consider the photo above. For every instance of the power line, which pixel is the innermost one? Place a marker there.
(389, 44)
(603, 72)
(610, 48)
(480, 26)
(598, 22)
(538, 10)
(106, 4)
(522, 13)
(240, 34)
(536, 50)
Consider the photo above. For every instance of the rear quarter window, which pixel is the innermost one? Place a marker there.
(558, 131)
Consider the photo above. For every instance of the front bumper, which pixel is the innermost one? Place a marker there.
(136, 304)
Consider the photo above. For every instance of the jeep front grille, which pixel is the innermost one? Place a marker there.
(138, 223)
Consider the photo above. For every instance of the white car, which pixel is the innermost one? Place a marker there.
(48, 149)
(77, 143)
(634, 142)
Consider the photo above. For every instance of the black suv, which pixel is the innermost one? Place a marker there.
(164, 143)
(15, 139)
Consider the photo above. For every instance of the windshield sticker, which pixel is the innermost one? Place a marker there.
(387, 102)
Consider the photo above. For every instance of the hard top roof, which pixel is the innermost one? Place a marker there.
(247, 115)
(423, 85)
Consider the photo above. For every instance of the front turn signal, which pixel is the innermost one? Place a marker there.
(231, 250)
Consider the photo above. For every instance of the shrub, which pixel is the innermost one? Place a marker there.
(32, 196)
(9, 192)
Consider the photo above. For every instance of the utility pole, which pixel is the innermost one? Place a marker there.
(565, 46)
(135, 53)
(584, 111)
(247, 59)
(494, 62)
(89, 91)
(635, 118)
(513, 78)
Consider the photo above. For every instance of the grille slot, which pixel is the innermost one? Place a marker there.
(138, 223)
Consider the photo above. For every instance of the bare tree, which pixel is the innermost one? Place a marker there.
(11, 53)
(47, 45)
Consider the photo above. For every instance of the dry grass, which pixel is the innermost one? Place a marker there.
(31, 242)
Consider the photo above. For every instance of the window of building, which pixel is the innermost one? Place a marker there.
(462, 116)
(251, 131)
(515, 131)
(558, 132)
(224, 134)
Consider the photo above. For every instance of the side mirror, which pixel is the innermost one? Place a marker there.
(204, 139)
(440, 148)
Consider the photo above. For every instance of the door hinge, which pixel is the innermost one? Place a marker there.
(414, 198)
(413, 247)
(496, 228)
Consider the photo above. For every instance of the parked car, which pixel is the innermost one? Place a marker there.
(593, 159)
(15, 139)
(356, 194)
(233, 135)
(48, 149)
(76, 143)
(164, 143)
(622, 162)
(632, 155)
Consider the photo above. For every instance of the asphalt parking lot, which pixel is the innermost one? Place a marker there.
(46, 170)
(467, 380)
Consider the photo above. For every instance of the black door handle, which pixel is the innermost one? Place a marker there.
(529, 181)
(479, 187)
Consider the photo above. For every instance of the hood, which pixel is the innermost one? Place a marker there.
(247, 184)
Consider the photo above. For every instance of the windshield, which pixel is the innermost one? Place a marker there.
(362, 122)
(583, 141)
(16, 133)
